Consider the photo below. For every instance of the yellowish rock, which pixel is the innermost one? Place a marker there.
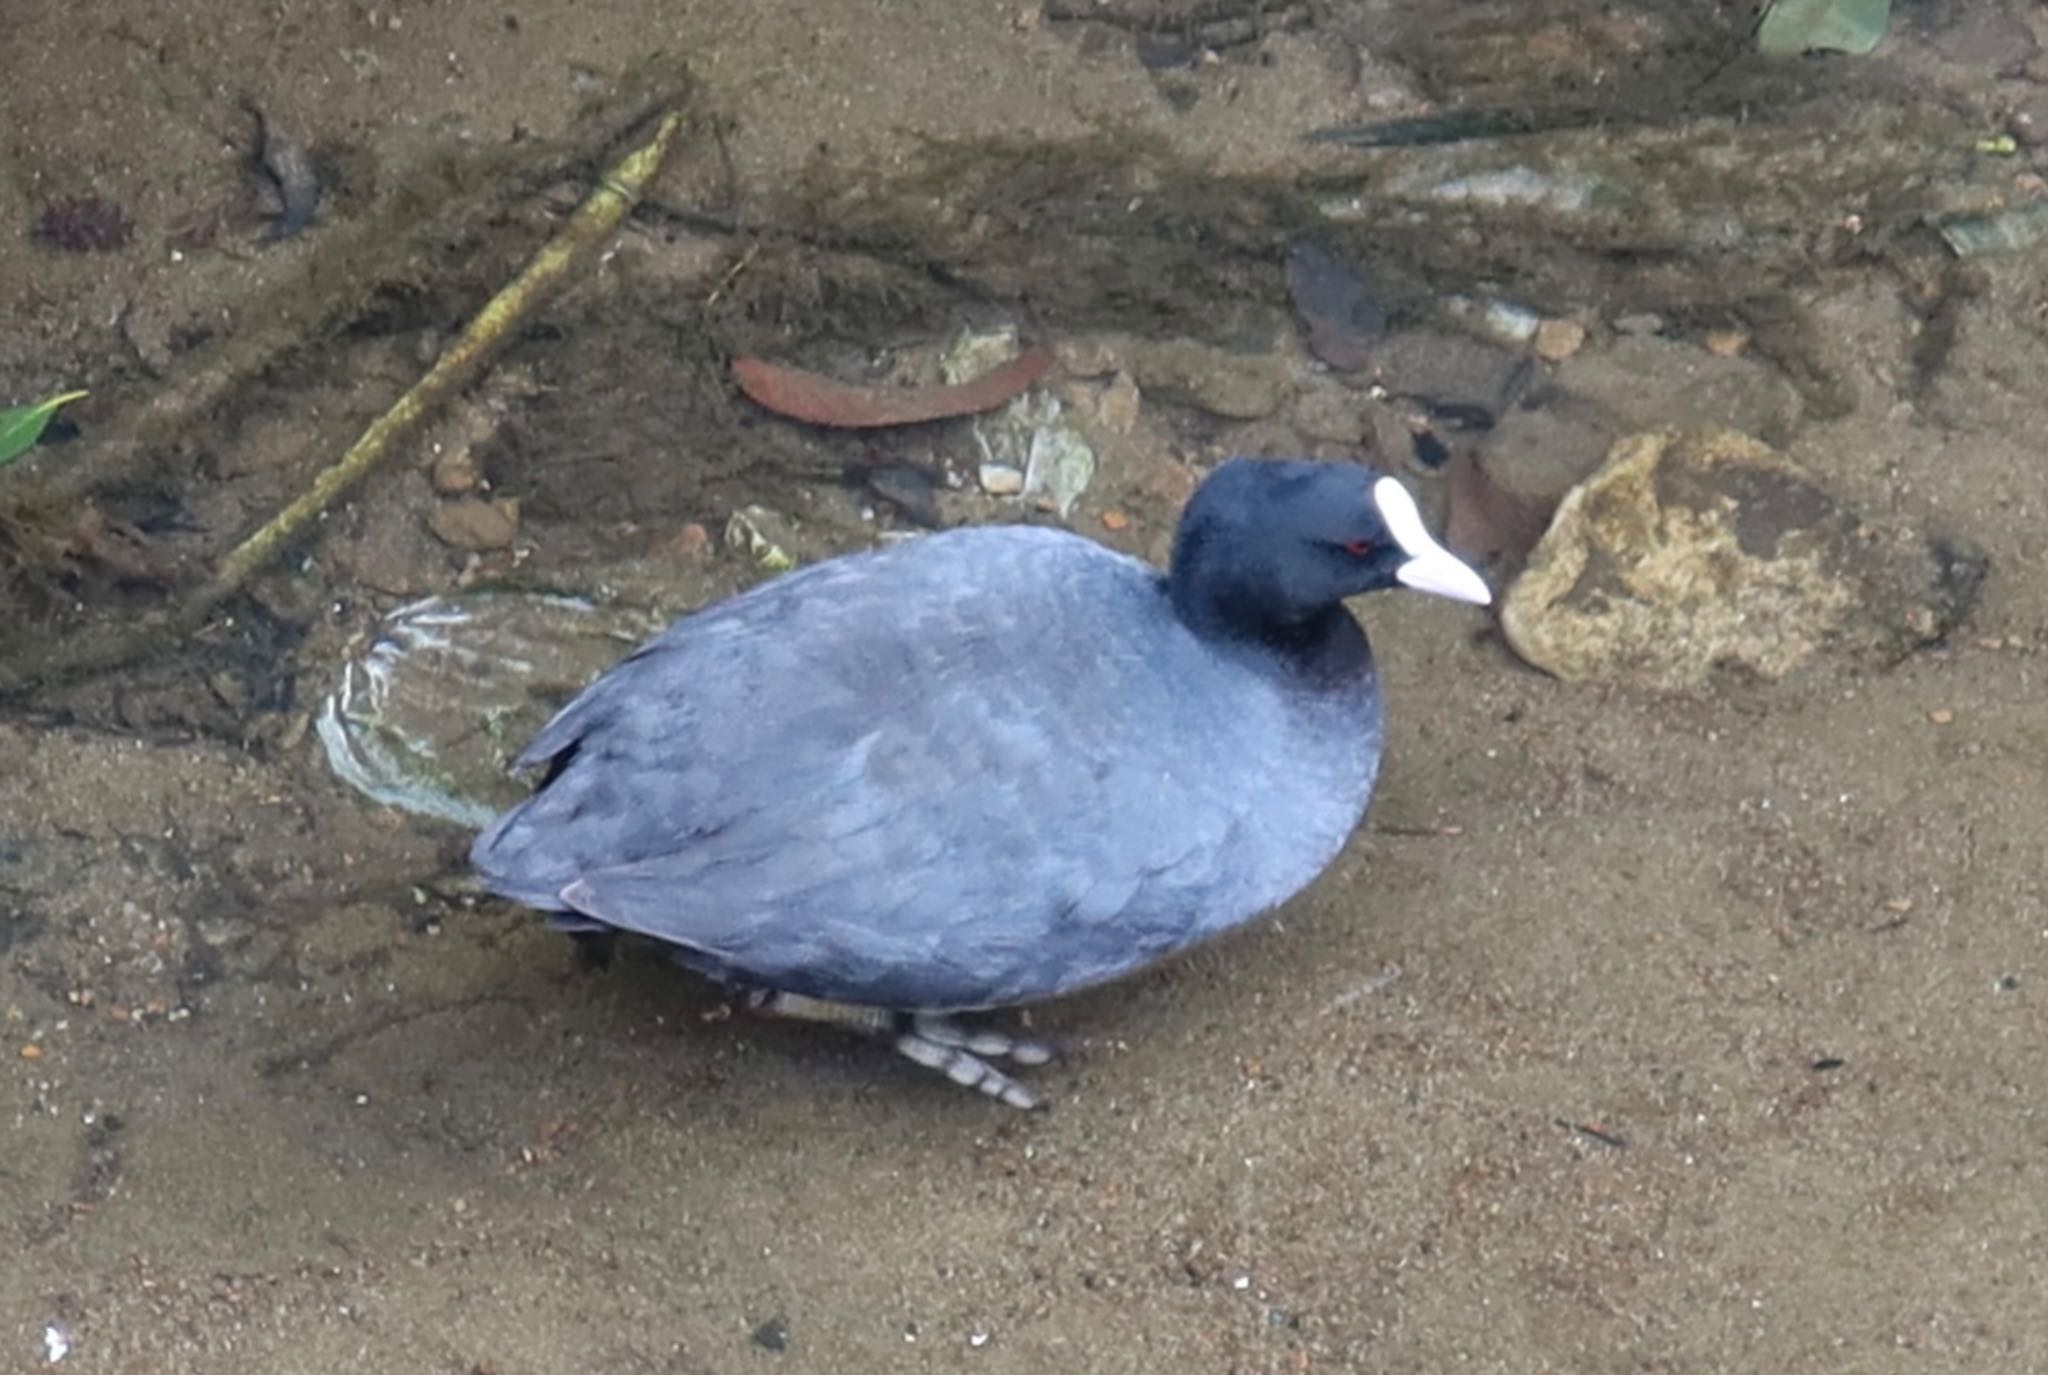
(1692, 551)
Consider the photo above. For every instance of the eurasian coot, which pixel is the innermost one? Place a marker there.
(984, 767)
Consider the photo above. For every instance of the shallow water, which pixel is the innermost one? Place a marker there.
(1634, 1032)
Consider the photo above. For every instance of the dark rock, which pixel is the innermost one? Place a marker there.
(1343, 319)
(909, 491)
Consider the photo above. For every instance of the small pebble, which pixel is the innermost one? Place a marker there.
(1641, 322)
(1114, 520)
(474, 524)
(456, 472)
(1941, 716)
(1511, 323)
(1117, 407)
(687, 545)
(1001, 480)
(1557, 340)
(31, 1051)
(1726, 343)
(1088, 356)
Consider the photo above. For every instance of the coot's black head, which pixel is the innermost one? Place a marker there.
(1267, 549)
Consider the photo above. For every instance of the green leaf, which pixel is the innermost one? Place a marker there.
(1793, 27)
(22, 426)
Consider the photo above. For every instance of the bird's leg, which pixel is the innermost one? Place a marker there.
(928, 1039)
(772, 1002)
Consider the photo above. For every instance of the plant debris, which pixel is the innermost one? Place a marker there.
(121, 549)
(83, 224)
(22, 426)
(290, 168)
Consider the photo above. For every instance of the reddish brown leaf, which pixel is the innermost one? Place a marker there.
(821, 401)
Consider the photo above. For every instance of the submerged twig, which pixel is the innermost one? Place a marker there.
(589, 227)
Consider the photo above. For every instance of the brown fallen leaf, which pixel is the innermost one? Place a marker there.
(817, 400)
(1484, 520)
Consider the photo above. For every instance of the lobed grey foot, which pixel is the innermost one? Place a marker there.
(981, 1040)
(958, 1052)
(965, 1069)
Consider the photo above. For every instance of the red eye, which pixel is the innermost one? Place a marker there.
(1358, 548)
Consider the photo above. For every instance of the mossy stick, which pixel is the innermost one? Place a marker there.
(589, 228)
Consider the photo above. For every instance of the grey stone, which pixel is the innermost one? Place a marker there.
(1236, 386)
(1447, 369)
(1649, 382)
